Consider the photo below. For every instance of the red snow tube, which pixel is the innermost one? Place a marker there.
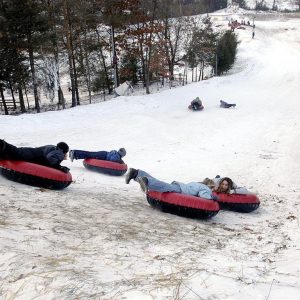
(105, 166)
(238, 202)
(34, 174)
(183, 205)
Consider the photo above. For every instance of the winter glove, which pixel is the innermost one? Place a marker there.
(64, 169)
(215, 198)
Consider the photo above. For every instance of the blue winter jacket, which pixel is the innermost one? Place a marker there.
(113, 156)
(195, 189)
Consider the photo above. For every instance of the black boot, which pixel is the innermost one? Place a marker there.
(2, 146)
(132, 173)
(143, 181)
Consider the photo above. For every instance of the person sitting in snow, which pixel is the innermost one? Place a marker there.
(147, 182)
(196, 104)
(225, 185)
(226, 105)
(48, 155)
(113, 155)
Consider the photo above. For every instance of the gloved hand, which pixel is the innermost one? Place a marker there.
(215, 198)
(64, 169)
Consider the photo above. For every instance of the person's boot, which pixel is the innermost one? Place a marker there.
(71, 155)
(2, 145)
(132, 173)
(143, 181)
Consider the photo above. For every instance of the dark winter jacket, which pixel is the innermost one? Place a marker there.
(226, 105)
(48, 155)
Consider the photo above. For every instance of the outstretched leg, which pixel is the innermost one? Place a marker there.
(81, 154)
(9, 151)
(152, 183)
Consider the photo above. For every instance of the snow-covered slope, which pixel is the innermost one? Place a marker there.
(99, 239)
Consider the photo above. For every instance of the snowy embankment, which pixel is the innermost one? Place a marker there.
(99, 239)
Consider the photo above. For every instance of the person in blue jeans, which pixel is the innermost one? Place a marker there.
(148, 182)
(114, 155)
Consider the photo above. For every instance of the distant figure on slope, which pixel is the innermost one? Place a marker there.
(48, 155)
(226, 105)
(113, 155)
(196, 105)
(147, 182)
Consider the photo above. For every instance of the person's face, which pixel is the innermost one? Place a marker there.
(224, 186)
(66, 156)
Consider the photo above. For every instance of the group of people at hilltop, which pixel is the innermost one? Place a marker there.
(53, 155)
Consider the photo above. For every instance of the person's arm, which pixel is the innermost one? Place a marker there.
(54, 158)
(240, 190)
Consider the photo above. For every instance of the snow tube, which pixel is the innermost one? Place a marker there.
(105, 166)
(238, 202)
(183, 205)
(195, 109)
(34, 174)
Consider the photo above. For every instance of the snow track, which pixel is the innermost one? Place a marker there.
(112, 244)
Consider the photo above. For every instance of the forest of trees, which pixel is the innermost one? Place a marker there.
(100, 44)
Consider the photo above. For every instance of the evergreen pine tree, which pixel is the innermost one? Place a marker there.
(226, 51)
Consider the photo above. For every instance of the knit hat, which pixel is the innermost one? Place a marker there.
(122, 152)
(63, 146)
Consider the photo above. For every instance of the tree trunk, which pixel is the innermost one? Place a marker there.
(75, 77)
(115, 59)
(35, 91)
(147, 70)
(61, 98)
(60, 95)
(12, 94)
(3, 101)
(26, 96)
(21, 99)
(68, 35)
(200, 72)
(87, 70)
(108, 85)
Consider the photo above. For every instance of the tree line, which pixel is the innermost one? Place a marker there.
(101, 43)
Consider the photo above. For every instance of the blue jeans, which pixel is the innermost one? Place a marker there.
(81, 154)
(157, 185)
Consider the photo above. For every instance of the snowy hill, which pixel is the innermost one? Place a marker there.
(99, 239)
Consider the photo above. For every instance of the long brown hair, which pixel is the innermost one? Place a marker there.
(230, 185)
